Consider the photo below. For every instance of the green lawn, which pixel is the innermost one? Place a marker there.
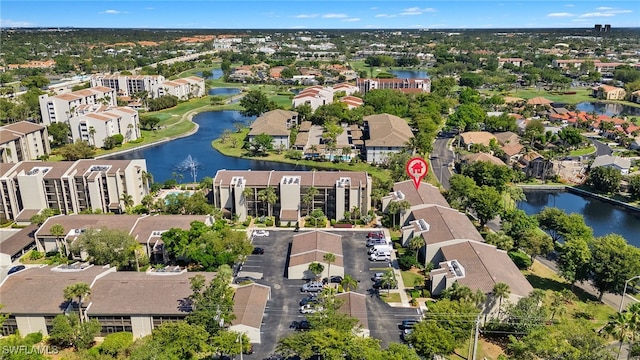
(410, 279)
(584, 151)
(390, 298)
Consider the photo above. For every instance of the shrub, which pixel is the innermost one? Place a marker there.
(333, 222)
(247, 222)
(426, 293)
(407, 261)
(522, 260)
(414, 293)
(583, 315)
(35, 255)
(33, 338)
(116, 342)
(268, 222)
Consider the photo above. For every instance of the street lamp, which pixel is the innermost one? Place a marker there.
(624, 292)
(241, 349)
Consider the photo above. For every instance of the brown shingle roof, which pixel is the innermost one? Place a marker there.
(426, 193)
(249, 303)
(145, 226)
(272, 123)
(477, 137)
(355, 305)
(311, 246)
(471, 158)
(387, 130)
(445, 224)
(23, 127)
(18, 241)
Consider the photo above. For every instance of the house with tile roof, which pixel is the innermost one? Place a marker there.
(275, 123)
(384, 134)
(23, 141)
(310, 247)
(476, 137)
(338, 192)
(472, 158)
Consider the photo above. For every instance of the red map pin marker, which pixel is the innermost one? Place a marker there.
(417, 169)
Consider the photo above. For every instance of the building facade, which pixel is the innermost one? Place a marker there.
(60, 108)
(95, 127)
(70, 186)
(23, 141)
(238, 192)
(404, 85)
(384, 134)
(183, 89)
(277, 124)
(130, 85)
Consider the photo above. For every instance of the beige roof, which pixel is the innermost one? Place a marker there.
(145, 226)
(387, 130)
(56, 168)
(507, 137)
(512, 149)
(249, 303)
(477, 137)
(471, 158)
(88, 221)
(511, 99)
(305, 126)
(355, 305)
(8, 136)
(425, 194)
(23, 127)
(272, 123)
(311, 246)
(40, 290)
(539, 101)
(485, 266)
(135, 293)
(445, 224)
(319, 179)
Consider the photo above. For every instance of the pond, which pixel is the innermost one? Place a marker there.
(224, 91)
(609, 109)
(410, 74)
(165, 159)
(217, 74)
(603, 217)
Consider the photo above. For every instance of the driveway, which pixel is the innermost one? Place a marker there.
(441, 158)
(283, 308)
(601, 148)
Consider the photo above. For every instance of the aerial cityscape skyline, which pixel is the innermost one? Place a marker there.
(325, 14)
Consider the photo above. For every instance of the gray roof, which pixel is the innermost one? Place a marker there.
(14, 243)
(272, 123)
(425, 194)
(608, 160)
(445, 224)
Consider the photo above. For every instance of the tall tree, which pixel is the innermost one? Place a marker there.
(58, 231)
(269, 196)
(501, 290)
(604, 178)
(107, 246)
(349, 283)
(329, 258)
(574, 260)
(613, 261)
(389, 280)
(486, 202)
(536, 243)
(255, 103)
(308, 197)
(211, 304)
(416, 243)
(78, 290)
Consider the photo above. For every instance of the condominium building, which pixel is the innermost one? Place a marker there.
(183, 89)
(384, 134)
(316, 96)
(23, 141)
(238, 192)
(60, 108)
(275, 123)
(404, 85)
(70, 186)
(130, 85)
(95, 127)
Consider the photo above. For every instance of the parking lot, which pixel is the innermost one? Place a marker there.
(283, 308)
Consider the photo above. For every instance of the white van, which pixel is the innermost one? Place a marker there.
(380, 248)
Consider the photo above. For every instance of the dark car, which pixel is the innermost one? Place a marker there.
(308, 300)
(257, 251)
(408, 324)
(378, 285)
(15, 269)
(334, 280)
(244, 279)
(301, 325)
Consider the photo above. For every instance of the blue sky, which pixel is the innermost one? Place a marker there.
(319, 14)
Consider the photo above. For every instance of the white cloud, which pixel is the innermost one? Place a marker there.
(306, 16)
(299, 27)
(113, 12)
(596, 14)
(335, 16)
(604, 8)
(14, 23)
(351, 19)
(619, 11)
(562, 14)
(416, 11)
(385, 16)
(148, 8)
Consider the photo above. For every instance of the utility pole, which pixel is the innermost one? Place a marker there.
(475, 341)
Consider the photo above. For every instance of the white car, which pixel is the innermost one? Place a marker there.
(310, 308)
(260, 233)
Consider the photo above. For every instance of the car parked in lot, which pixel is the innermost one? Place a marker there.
(408, 323)
(313, 286)
(301, 325)
(380, 256)
(374, 242)
(258, 251)
(375, 235)
(15, 269)
(311, 299)
(334, 280)
(380, 285)
(377, 276)
(310, 308)
(260, 233)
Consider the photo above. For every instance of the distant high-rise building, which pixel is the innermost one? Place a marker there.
(598, 28)
(607, 28)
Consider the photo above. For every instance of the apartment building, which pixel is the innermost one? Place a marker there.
(95, 126)
(183, 89)
(237, 192)
(404, 85)
(60, 108)
(70, 186)
(514, 61)
(275, 123)
(384, 134)
(601, 67)
(23, 141)
(130, 85)
(316, 96)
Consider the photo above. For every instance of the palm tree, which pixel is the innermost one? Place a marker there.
(621, 327)
(329, 258)
(77, 290)
(393, 209)
(388, 280)
(58, 230)
(557, 304)
(92, 133)
(269, 196)
(247, 193)
(313, 149)
(316, 268)
(127, 200)
(147, 177)
(404, 206)
(501, 290)
(416, 243)
(349, 283)
(307, 199)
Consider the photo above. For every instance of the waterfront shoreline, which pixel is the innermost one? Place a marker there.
(573, 189)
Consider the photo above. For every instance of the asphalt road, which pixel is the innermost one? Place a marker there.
(601, 148)
(441, 158)
(283, 308)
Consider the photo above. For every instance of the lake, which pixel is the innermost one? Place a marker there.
(217, 74)
(224, 91)
(410, 74)
(603, 217)
(165, 159)
(609, 109)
